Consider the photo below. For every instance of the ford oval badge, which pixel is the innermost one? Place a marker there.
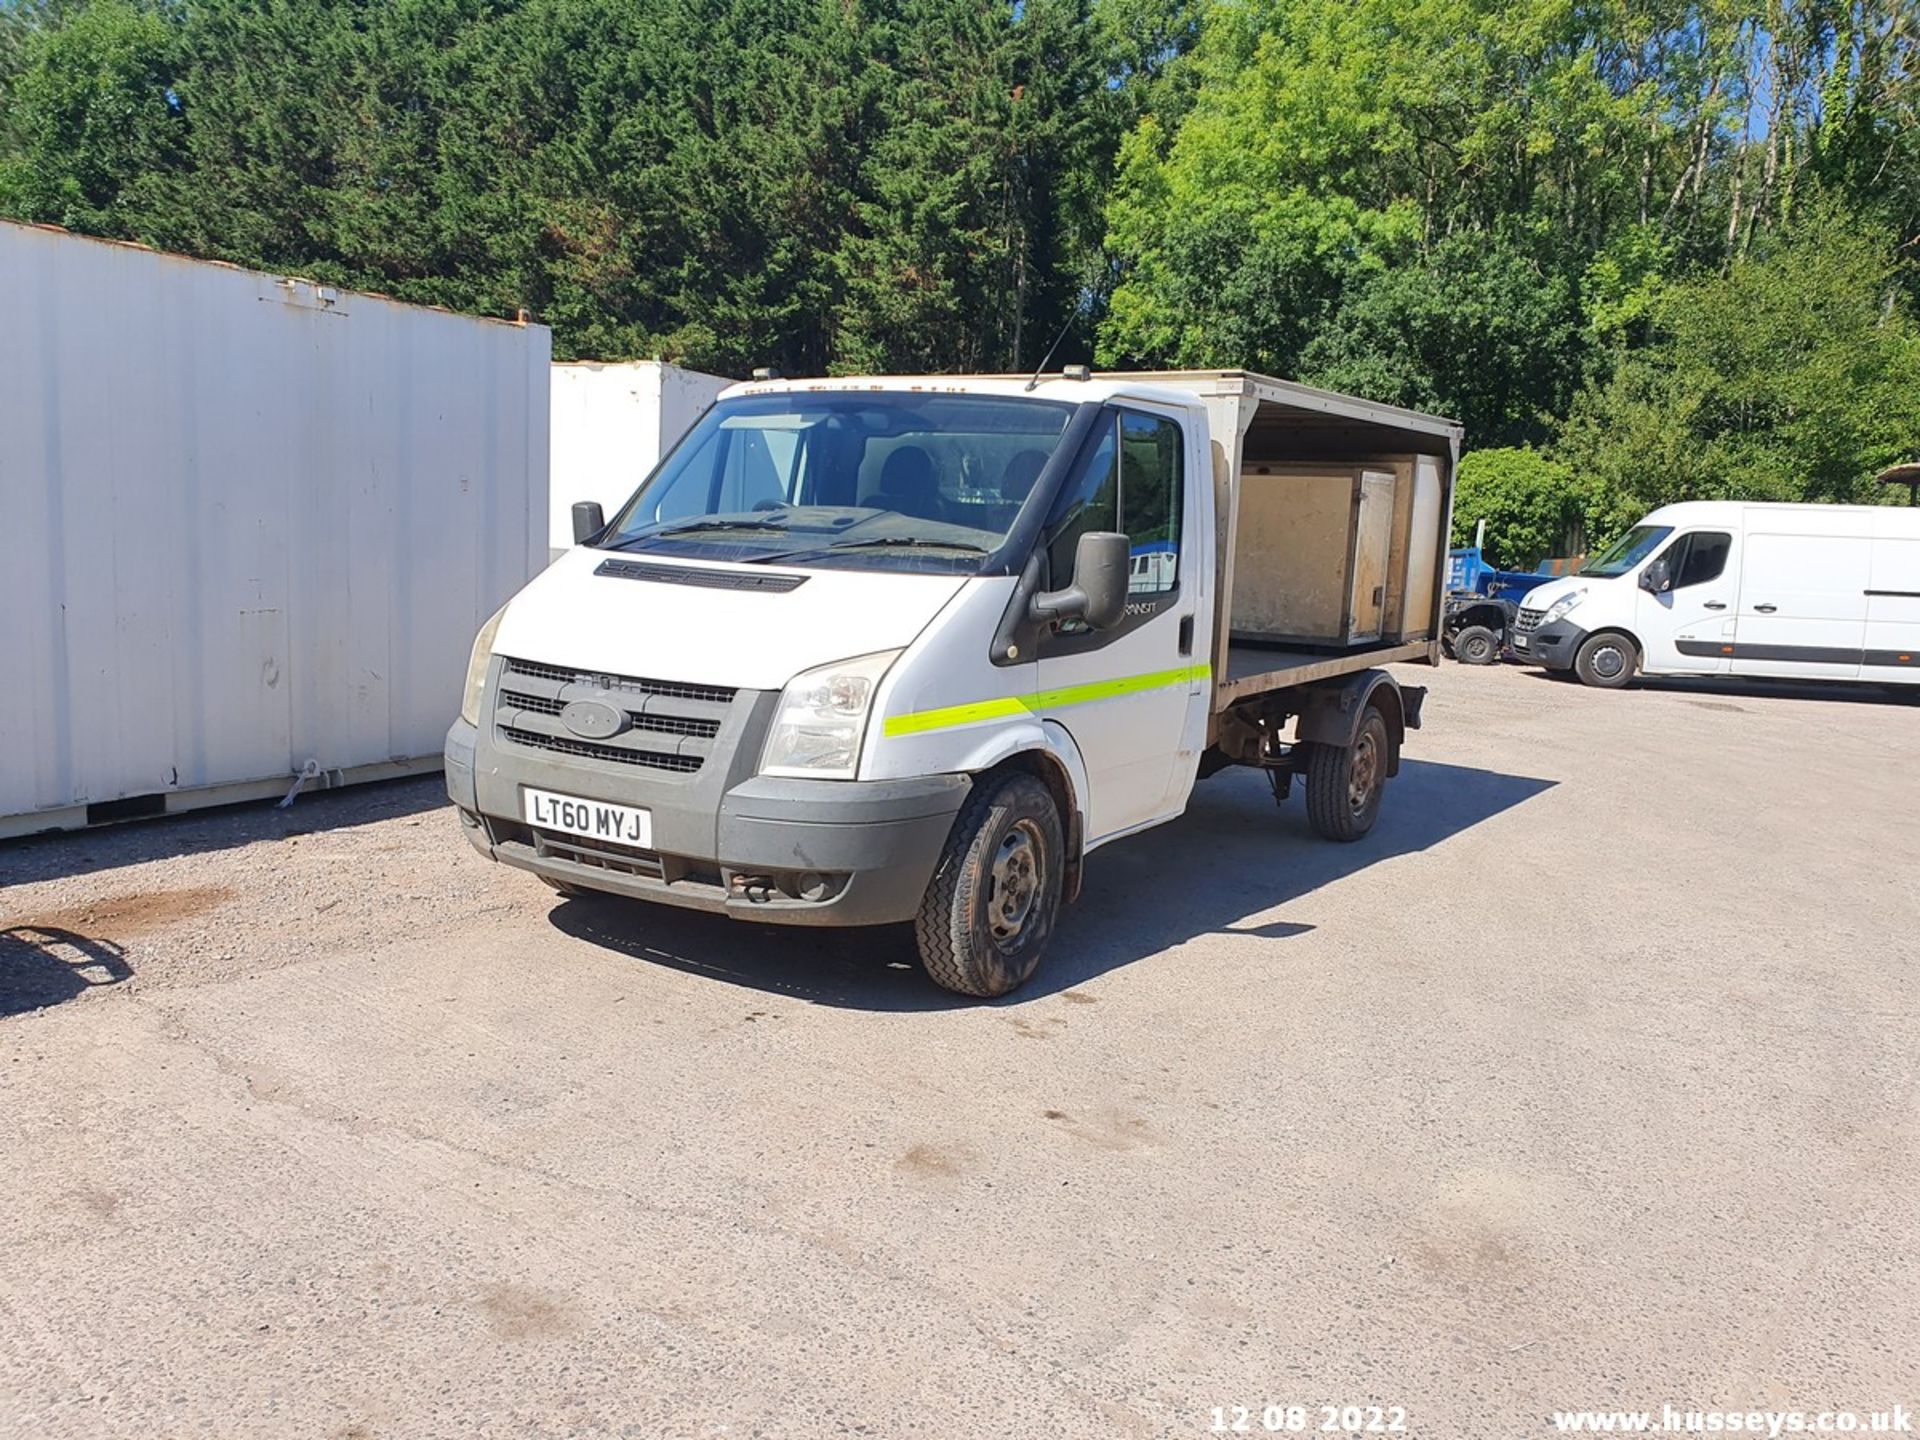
(593, 719)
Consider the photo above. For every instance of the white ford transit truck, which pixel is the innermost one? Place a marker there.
(1724, 587)
(864, 651)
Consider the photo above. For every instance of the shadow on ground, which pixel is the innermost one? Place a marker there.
(1233, 855)
(200, 832)
(1732, 689)
(42, 966)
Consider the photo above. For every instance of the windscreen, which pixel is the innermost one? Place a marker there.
(886, 479)
(1626, 552)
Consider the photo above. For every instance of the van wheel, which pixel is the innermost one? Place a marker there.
(1476, 645)
(1344, 781)
(572, 892)
(990, 907)
(1607, 661)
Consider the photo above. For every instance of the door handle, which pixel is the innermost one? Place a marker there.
(1186, 634)
(1766, 609)
(1714, 605)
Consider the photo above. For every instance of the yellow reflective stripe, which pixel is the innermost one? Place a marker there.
(948, 716)
(923, 720)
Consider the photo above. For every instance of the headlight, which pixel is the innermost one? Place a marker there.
(1562, 606)
(822, 718)
(477, 668)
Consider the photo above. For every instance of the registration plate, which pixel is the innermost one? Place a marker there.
(589, 819)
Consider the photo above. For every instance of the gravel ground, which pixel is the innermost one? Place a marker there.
(219, 894)
(1588, 1080)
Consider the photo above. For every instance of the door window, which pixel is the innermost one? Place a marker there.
(1131, 484)
(1150, 501)
(1702, 557)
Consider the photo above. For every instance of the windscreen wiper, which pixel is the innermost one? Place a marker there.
(691, 527)
(872, 542)
(875, 541)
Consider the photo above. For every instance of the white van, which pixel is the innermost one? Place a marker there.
(1801, 592)
(864, 651)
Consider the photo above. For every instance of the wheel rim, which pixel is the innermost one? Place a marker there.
(1364, 770)
(1478, 649)
(1609, 661)
(1013, 884)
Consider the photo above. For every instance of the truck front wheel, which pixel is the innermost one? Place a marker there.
(1476, 645)
(1344, 781)
(990, 907)
(1606, 660)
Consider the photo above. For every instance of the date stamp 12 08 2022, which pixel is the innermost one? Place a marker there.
(1274, 1419)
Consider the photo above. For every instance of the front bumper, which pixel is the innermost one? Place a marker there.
(777, 850)
(1553, 645)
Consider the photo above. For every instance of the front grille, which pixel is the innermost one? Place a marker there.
(1529, 619)
(669, 726)
(594, 750)
(539, 704)
(704, 727)
(664, 689)
(675, 725)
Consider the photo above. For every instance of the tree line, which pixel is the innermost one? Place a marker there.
(1645, 251)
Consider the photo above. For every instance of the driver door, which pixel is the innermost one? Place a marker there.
(1134, 697)
(1689, 626)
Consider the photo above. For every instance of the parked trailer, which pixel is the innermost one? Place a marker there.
(611, 424)
(246, 517)
(874, 650)
(1481, 605)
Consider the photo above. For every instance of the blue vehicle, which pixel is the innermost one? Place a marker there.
(1481, 605)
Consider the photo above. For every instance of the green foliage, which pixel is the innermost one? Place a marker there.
(1405, 158)
(1471, 205)
(89, 131)
(977, 210)
(1795, 376)
(1477, 330)
(1534, 506)
(817, 184)
(1675, 248)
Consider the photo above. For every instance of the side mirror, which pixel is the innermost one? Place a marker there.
(588, 520)
(1098, 594)
(1657, 578)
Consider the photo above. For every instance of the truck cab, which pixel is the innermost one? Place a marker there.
(877, 650)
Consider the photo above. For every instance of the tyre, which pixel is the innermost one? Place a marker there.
(990, 907)
(1344, 781)
(571, 892)
(1607, 660)
(1476, 645)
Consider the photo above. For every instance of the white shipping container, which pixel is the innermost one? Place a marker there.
(248, 525)
(611, 425)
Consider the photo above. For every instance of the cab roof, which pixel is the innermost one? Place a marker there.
(1273, 396)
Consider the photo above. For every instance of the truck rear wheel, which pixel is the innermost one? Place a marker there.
(1344, 781)
(990, 907)
(1475, 645)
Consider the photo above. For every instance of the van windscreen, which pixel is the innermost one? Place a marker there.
(878, 479)
(1626, 552)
